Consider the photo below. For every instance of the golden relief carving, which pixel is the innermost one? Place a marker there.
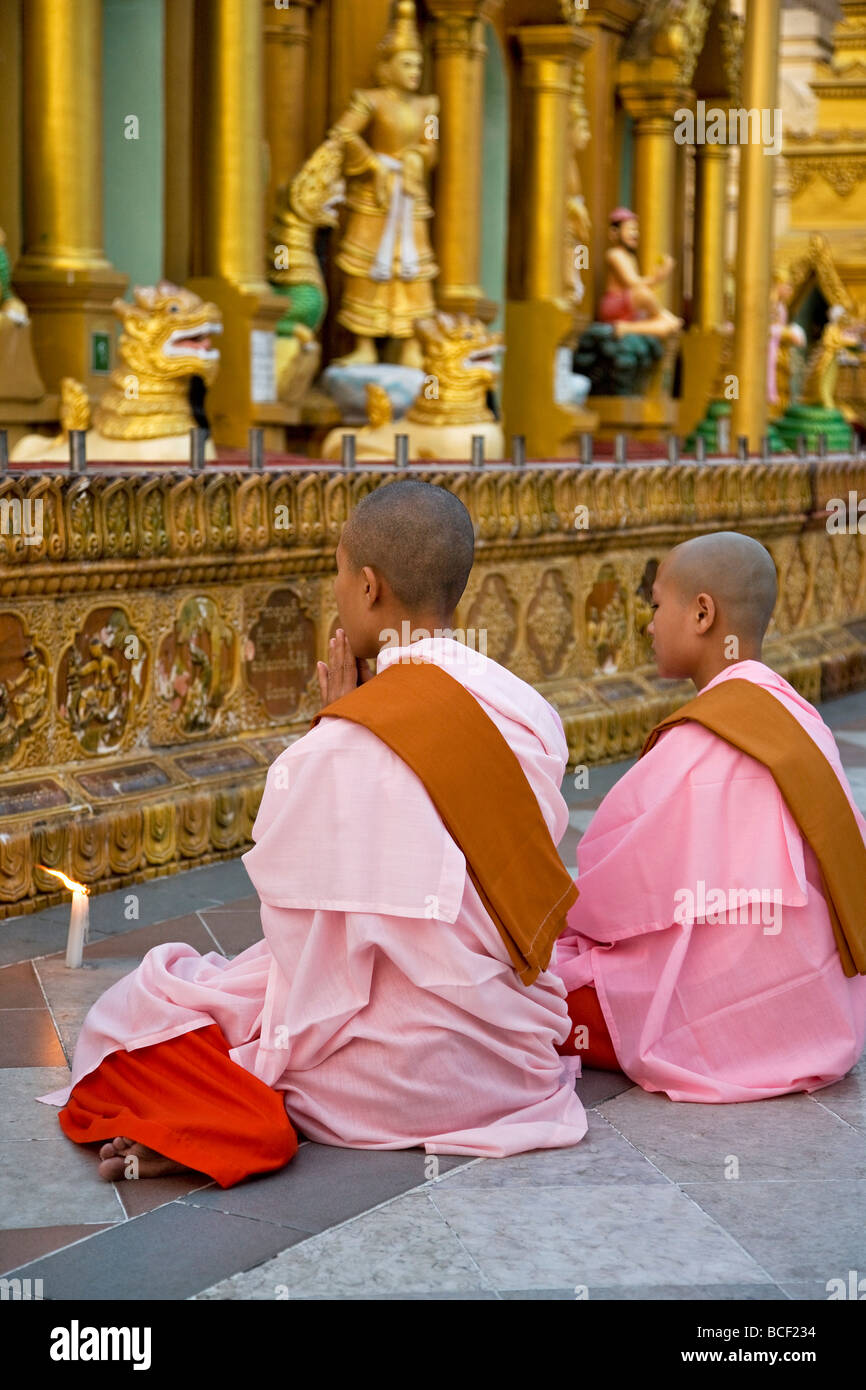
(153, 517)
(796, 587)
(227, 818)
(118, 509)
(643, 613)
(281, 513)
(186, 519)
(606, 621)
(82, 521)
(520, 597)
(252, 510)
(843, 173)
(221, 522)
(16, 866)
(196, 665)
(826, 573)
(550, 623)
(193, 826)
(158, 831)
(89, 857)
(24, 686)
(280, 651)
(101, 677)
(494, 612)
(310, 510)
(125, 843)
(336, 508)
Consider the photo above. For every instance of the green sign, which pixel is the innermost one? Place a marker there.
(100, 352)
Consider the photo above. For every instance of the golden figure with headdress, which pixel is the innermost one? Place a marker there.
(389, 138)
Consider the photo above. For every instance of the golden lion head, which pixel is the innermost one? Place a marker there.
(167, 333)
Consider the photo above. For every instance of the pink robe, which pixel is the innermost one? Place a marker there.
(382, 1000)
(726, 1010)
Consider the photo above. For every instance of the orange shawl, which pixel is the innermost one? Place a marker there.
(480, 790)
(753, 720)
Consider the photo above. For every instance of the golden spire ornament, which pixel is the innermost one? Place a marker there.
(402, 35)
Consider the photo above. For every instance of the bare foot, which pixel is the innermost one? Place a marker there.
(123, 1158)
(364, 355)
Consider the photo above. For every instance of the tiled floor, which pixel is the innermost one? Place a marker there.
(644, 1208)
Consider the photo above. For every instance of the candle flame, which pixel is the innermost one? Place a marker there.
(70, 882)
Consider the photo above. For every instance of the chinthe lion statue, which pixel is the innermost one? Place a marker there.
(145, 415)
(461, 365)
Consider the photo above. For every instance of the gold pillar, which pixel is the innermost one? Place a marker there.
(178, 258)
(755, 228)
(651, 103)
(10, 126)
(711, 179)
(538, 317)
(356, 29)
(287, 48)
(63, 274)
(459, 52)
(548, 53)
(231, 135)
(606, 24)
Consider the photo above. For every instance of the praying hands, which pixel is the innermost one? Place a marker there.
(342, 671)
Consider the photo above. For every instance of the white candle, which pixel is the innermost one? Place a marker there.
(78, 920)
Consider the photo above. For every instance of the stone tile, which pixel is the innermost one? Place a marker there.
(250, 903)
(853, 753)
(159, 900)
(599, 782)
(28, 1038)
(19, 988)
(21, 938)
(401, 1249)
(171, 1253)
(595, 1236)
(656, 1293)
(21, 1115)
(595, 1086)
(795, 1230)
(845, 711)
(138, 942)
(146, 1195)
(847, 1098)
(788, 1137)
(603, 1156)
(428, 1296)
(53, 1182)
(20, 1246)
(234, 927)
(816, 1291)
(325, 1185)
(72, 993)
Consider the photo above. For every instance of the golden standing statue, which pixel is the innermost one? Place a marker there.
(389, 138)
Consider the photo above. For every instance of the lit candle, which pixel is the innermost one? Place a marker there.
(79, 918)
(78, 921)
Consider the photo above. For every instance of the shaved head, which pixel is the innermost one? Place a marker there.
(419, 538)
(737, 572)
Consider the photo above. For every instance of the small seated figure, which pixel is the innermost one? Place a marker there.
(717, 950)
(628, 301)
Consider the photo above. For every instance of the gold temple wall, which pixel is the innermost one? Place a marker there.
(173, 623)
